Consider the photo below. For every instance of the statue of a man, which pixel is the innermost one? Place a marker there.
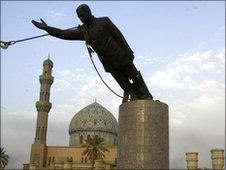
(111, 47)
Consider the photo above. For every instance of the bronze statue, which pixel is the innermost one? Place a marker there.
(111, 47)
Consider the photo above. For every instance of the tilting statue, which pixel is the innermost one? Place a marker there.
(111, 47)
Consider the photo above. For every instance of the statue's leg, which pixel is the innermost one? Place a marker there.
(140, 87)
(125, 97)
(124, 83)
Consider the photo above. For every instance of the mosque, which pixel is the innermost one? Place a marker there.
(94, 119)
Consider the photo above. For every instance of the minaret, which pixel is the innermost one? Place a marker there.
(38, 148)
(43, 105)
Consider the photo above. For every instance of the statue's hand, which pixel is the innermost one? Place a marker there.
(41, 25)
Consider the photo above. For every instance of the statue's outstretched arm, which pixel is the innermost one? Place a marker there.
(75, 34)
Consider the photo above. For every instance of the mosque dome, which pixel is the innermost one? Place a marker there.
(94, 119)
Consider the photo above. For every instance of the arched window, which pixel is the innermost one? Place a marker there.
(81, 160)
(81, 139)
(49, 161)
(88, 137)
(86, 160)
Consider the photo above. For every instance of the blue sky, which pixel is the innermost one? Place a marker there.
(179, 48)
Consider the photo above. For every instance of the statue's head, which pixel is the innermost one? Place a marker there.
(84, 13)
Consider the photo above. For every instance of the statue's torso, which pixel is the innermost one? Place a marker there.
(102, 40)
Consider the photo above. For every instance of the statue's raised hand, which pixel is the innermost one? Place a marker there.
(41, 25)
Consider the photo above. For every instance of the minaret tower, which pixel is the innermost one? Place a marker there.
(43, 105)
(38, 148)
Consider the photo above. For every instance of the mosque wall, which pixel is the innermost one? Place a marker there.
(57, 155)
(79, 138)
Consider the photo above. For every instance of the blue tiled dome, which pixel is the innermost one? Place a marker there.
(93, 119)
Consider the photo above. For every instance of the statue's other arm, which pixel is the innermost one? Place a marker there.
(118, 36)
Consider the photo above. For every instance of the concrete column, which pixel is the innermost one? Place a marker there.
(192, 160)
(217, 156)
(143, 136)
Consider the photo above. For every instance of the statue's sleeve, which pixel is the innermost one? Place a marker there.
(116, 33)
(75, 34)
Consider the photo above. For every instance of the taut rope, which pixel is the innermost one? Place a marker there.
(90, 51)
(5, 45)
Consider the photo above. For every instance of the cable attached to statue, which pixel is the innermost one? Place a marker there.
(5, 45)
(90, 51)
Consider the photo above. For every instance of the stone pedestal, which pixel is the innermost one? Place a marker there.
(143, 136)
(192, 160)
(217, 156)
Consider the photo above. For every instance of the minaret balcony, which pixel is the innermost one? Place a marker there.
(43, 106)
(48, 79)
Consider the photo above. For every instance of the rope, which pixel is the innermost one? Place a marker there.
(90, 55)
(90, 51)
(13, 42)
(5, 45)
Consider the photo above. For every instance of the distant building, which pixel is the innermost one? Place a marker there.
(217, 156)
(91, 120)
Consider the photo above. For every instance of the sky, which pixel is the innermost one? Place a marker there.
(179, 48)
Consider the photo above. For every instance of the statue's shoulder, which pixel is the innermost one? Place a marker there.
(102, 19)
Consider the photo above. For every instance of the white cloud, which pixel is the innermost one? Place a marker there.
(69, 78)
(221, 56)
(210, 66)
(209, 87)
(55, 15)
(184, 71)
(62, 84)
(193, 87)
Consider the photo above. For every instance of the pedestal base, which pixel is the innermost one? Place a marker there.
(143, 136)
